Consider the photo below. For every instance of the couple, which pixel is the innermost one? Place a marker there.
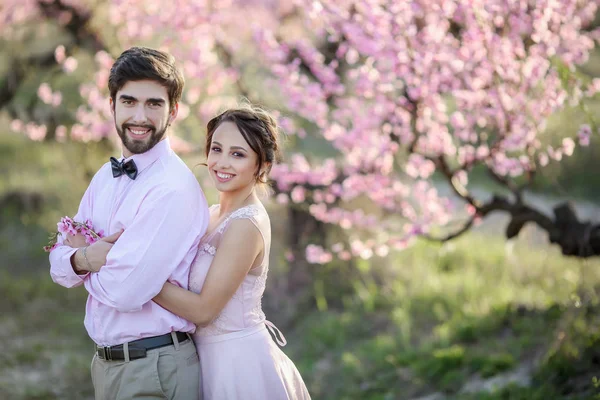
(154, 338)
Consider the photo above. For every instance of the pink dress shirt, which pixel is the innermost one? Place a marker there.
(164, 214)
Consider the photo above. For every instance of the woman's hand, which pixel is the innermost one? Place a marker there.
(95, 255)
(75, 241)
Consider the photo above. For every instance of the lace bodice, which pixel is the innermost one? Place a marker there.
(244, 309)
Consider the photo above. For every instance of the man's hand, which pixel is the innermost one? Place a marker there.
(95, 255)
(75, 241)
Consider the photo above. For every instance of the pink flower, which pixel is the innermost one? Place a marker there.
(45, 93)
(70, 65)
(59, 54)
(298, 194)
(585, 131)
(282, 198)
(72, 230)
(62, 227)
(89, 239)
(49, 248)
(568, 146)
(317, 255)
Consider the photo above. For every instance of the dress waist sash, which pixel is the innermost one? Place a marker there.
(267, 325)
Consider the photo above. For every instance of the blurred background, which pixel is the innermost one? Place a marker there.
(372, 306)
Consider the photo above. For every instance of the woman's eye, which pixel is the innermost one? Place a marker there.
(215, 149)
(236, 154)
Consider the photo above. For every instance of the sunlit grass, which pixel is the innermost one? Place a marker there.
(473, 308)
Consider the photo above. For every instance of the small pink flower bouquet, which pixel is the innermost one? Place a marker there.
(68, 226)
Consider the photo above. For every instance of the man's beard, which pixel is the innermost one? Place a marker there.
(140, 146)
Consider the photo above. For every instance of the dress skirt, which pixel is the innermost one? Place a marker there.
(247, 365)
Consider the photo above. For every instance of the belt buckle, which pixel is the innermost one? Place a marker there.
(105, 353)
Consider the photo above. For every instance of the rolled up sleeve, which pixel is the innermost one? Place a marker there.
(61, 270)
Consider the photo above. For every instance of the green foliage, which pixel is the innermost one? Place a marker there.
(473, 309)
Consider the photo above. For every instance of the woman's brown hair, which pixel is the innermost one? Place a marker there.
(258, 128)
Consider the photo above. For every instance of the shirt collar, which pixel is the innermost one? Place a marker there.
(143, 160)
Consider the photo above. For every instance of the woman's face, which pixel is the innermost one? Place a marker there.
(232, 163)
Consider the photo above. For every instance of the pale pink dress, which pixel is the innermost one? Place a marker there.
(239, 359)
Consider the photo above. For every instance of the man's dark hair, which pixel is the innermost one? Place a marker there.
(140, 63)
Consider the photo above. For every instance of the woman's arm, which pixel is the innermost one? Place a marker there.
(240, 245)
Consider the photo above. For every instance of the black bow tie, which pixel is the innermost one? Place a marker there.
(119, 168)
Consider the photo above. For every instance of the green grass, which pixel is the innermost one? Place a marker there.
(450, 315)
(46, 352)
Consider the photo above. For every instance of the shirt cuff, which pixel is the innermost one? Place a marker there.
(64, 273)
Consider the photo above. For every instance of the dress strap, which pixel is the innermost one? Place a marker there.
(276, 333)
(250, 211)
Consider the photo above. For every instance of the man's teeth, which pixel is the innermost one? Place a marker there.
(138, 131)
(224, 176)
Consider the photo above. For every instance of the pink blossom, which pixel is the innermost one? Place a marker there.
(568, 145)
(298, 194)
(70, 65)
(282, 198)
(317, 255)
(17, 125)
(585, 131)
(59, 54)
(44, 92)
(62, 227)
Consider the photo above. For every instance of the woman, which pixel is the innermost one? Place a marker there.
(239, 360)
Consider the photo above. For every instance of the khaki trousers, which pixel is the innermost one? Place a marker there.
(170, 372)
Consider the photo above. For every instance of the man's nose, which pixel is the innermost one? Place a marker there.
(140, 114)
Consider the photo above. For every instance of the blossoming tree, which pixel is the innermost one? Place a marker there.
(400, 97)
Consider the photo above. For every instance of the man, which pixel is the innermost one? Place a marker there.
(151, 196)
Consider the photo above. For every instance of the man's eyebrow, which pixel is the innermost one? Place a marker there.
(155, 100)
(150, 100)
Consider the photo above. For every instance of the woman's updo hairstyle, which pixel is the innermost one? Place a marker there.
(258, 128)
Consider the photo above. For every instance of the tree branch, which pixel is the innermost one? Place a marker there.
(464, 229)
(77, 26)
(516, 190)
(575, 238)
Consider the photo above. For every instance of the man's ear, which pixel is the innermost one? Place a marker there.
(173, 113)
(112, 106)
